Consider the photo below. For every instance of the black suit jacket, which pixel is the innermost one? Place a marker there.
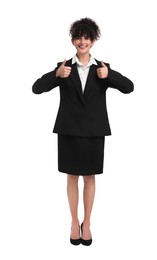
(82, 114)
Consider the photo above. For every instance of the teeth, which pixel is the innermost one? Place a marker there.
(82, 47)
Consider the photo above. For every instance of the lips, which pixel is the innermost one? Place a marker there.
(82, 46)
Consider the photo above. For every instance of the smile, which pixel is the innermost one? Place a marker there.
(82, 46)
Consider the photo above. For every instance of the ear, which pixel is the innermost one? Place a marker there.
(92, 43)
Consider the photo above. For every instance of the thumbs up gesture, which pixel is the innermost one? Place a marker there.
(63, 71)
(103, 71)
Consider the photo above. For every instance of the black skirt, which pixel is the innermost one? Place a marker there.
(80, 155)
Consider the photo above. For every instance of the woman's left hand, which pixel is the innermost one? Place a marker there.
(103, 71)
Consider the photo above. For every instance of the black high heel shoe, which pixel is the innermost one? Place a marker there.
(85, 242)
(75, 242)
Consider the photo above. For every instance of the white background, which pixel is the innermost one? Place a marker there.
(34, 212)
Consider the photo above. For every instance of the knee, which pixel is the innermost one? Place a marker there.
(73, 178)
(89, 179)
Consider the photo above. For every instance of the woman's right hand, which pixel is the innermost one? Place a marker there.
(63, 71)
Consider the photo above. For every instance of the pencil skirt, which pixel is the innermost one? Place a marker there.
(80, 155)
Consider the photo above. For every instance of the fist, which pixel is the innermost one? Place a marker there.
(103, 71)
(63, 71)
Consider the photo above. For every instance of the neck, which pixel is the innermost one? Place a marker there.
(84, 58)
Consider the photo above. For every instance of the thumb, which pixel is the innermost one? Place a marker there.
(102, 64)
(63, 64)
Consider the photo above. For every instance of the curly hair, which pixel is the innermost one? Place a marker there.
(85, 27)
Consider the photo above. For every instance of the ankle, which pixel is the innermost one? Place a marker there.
(86, 223)
(75, 223)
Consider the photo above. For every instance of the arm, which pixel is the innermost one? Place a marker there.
(118, 81)
(114, 79)
(47, 82)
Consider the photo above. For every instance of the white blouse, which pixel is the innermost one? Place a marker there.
(83, 70)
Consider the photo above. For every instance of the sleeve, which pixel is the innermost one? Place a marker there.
(47, 82)
(118, 81)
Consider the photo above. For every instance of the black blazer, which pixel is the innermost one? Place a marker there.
(82, 114)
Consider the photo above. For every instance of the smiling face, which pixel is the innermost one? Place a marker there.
(82, 44)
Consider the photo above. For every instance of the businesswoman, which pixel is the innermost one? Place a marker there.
(82, 120)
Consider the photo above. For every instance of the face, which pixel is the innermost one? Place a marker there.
(83, 44)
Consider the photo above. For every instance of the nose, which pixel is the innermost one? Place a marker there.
(82, 39)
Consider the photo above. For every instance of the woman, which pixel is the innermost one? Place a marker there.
(82, 120)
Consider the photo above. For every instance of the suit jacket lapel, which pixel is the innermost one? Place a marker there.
(77, 82)
(91, 74)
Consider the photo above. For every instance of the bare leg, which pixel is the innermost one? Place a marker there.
(73, 197)
(89, 194)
